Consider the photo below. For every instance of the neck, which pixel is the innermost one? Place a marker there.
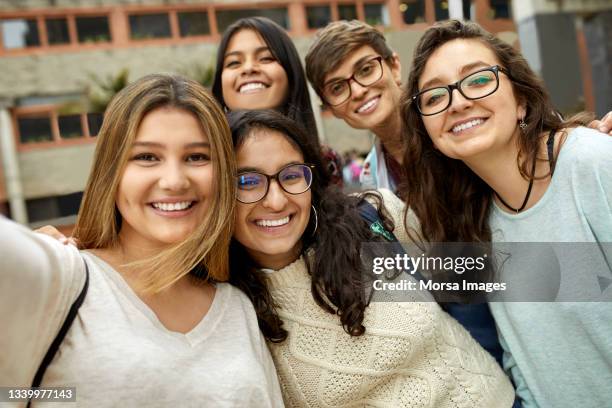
(500, 170)
(389, 133)
(278, 261)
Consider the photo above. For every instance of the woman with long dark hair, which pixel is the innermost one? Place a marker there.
(298, 241)
(489, 159)
(258, 67)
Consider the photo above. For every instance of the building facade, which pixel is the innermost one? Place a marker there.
(58, 56)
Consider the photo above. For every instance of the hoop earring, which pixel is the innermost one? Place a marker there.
(316, 217)
(522, 124)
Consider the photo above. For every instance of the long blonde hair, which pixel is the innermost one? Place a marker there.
(99, 220)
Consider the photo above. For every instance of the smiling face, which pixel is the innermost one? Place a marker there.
(252, 78)
(163, 192)
(271, 229)
(369, 107)
(470, 130)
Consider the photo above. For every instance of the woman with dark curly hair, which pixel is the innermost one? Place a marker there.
(298, 239)
(489, 160)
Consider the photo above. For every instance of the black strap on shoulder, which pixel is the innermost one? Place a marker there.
(72, 314)
(550, 144)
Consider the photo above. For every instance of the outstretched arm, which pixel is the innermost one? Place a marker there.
(39, 280)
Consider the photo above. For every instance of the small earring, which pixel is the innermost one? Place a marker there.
(316, 221)
(522, 124)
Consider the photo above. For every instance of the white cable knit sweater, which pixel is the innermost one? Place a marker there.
(411, 355)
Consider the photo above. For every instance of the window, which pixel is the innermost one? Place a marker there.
(501, 8)
(347, 12)
(47, 208)
(226, 17)
(94, 121)
(413, 11)
(92, 29)
(70, 126)
(57, 31)
(467, 10)
(318, 16)
(35, 129)
(146, 26)
(376, 14)
(48, 123)
(20, 33)
(193, 23)
(441, 9)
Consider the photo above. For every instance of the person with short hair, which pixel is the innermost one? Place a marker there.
(358, 76)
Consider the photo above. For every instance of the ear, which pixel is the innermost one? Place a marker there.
(396, 69)
(521, 110)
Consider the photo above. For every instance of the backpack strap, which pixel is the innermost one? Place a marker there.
(370, 214)
(72, 314)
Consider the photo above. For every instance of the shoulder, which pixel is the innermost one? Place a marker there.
(586, 147)
(585, 160)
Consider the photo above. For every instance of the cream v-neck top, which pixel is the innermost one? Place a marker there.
(117, 352)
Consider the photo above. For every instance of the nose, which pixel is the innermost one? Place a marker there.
(458, 102)
(249, 65)
(357, 90)
(173, 177)
(276, 199)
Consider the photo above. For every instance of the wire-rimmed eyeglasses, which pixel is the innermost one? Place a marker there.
(477, 85)
(337, 92)
(253, 186)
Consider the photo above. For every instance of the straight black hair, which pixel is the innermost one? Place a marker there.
(297, 106)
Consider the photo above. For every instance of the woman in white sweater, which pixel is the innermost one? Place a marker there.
(297, 248)
(154, 325)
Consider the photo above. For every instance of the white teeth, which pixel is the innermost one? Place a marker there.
(367, 105)
(251, 86)
(273, 223)
(172, 206)
(467, 125)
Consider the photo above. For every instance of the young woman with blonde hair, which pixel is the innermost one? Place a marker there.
(157, 326)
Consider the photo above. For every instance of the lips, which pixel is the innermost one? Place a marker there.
(369, 106)
(273, 223)
(465, 125)
(251, 87)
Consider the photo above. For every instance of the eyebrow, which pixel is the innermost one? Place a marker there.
(258, 170)
(355, 65)
(466, 68)
(257, 51)
(160, 145)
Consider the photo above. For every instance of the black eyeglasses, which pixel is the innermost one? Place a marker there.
(253, 186)
(337, 92)
(474, 86)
